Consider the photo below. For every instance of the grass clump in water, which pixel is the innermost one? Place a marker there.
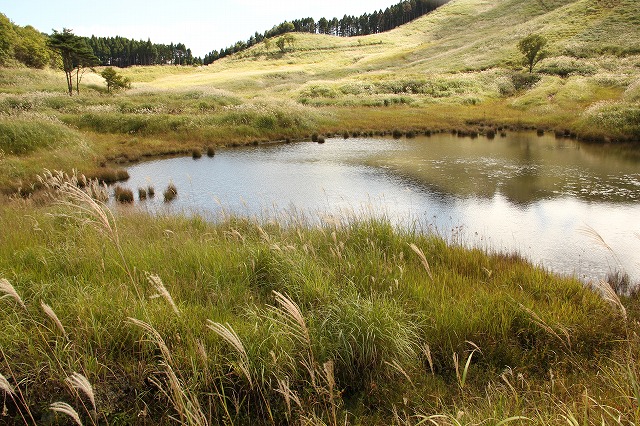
(123, 195)
(110, 174)
(170, 193)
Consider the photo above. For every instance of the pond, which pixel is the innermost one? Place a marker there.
(551, 200)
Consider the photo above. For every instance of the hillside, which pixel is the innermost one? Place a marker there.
(461, 36)
(457, 68)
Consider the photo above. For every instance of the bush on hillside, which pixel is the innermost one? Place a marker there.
(524, 81)
(564, 67)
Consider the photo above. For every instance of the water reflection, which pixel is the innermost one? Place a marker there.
(535, 195)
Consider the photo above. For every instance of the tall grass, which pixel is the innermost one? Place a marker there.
(259, 323)
(21, 136)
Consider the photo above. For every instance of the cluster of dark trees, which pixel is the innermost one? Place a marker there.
(28, 46)
(348, 26)
(24, 45)
(123, 52)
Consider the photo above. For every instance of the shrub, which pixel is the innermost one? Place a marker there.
(318, 91)
(142, 194)
(397, 134)
(523, 81)
(321, 139)
(210, 151)
(314, 137)
(114, 81)
(151, 191)
(565, 67)
(196, 153)
(123, 195)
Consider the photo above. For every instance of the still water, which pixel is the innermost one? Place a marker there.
(540, 196)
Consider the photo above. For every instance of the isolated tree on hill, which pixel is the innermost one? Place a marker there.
(75, 54)
(532, 47)
(84, 58)
(114, 80)
(289, 39)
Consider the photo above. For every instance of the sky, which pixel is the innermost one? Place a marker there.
(202, 25)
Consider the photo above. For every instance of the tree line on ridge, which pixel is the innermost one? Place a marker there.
(349, 26)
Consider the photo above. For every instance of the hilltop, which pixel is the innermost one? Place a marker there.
(457, 68)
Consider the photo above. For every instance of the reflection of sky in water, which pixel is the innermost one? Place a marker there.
(533, 195)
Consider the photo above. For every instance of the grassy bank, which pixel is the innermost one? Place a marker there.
(349, 322)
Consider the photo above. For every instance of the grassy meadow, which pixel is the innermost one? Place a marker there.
(118, 317)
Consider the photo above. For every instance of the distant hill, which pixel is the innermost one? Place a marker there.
(348, 26)
(479, 34)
